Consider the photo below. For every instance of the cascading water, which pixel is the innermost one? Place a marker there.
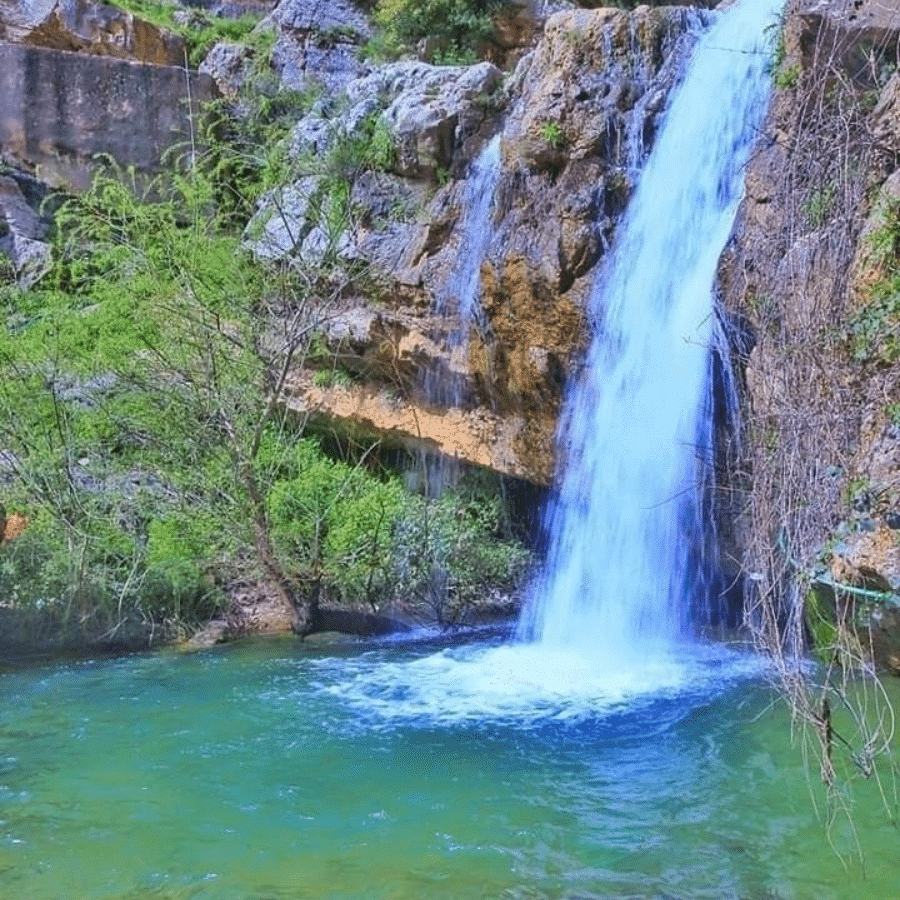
(633, 435)
(608, 622)
(476, 231)
(461, 292)
(460, 295)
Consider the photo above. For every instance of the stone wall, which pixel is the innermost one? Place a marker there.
(60, 112)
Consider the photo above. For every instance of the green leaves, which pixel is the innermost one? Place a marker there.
(874, 329)
(454, 29)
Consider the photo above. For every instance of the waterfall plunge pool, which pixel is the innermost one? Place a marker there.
(273, 769)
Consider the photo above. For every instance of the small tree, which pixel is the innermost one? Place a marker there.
(169, 351)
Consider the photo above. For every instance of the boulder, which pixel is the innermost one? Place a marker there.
(24, 235)
(229, 65)
(430, 110)
(885, 117)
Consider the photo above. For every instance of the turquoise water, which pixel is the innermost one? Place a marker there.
(274, 769)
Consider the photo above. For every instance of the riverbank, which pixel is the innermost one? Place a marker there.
(252, 608)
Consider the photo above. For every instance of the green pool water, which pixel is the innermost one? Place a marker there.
(274, 769)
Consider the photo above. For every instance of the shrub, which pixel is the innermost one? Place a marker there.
(455, 29)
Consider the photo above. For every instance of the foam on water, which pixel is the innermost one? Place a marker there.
(524, 684)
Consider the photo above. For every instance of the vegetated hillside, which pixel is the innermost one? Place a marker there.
(144, 429)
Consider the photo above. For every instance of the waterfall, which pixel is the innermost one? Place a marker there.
(476, 230)
(633, 438)
(608, 622)
(460, 294)
(462, 289)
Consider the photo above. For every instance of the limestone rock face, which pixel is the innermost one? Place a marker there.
(318, 43)
(859, 35)
(575, 121)
(60, 111)
(89, 27)
(801, 276)
(431, 110)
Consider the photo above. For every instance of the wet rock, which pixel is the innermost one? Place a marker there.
(884, 635)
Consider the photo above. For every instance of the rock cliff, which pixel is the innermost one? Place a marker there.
(573, 95)
(810, 278)
(574, 119)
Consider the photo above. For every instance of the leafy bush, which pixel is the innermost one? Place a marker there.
(455, 29)
(450, 553)
(139, 389)
(336, 521)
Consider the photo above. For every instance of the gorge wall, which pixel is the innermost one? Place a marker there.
(575, 119)
(810, 280)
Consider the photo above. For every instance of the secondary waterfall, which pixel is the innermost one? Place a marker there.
(476, 229)
(632, 439)
(460, 295)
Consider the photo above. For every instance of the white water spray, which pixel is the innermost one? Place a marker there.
(624, 527)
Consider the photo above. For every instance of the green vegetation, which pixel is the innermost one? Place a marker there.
(200, 33)
(144, 434)
(448, 31)
(784, 76)
(787, 77)
(553, 134)
(874, 329)
(818, 206)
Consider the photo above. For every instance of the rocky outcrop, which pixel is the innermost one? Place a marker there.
(575, 121)
(88, 27)
(804, 277)
(318, 43)
(23, 233)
